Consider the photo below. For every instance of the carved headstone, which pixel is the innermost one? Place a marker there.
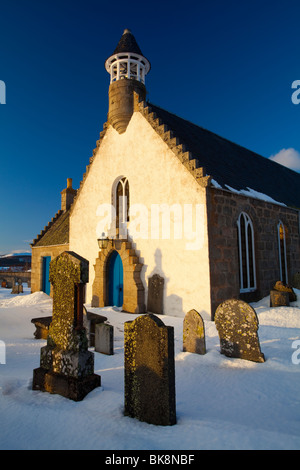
(194, 333)
(237, 325)
(150, 371)
(156, 294)
(66, 364)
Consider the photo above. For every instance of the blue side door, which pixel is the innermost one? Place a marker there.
(115, 280)
(46, 270)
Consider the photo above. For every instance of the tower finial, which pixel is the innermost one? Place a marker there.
(127, 60)
(127, 68)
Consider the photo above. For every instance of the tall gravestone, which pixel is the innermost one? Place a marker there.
(194, 333)
(237, 325)
(149, 371)
(156, 294)
(66, 364)
(104, 339)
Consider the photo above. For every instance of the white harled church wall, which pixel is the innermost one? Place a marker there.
(156, 176)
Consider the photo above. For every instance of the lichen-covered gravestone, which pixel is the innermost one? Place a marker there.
(237, 325)
(66, 364)
(193, 333)
(149, 371)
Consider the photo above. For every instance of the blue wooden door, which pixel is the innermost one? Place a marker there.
(46, 271)
(115, 280)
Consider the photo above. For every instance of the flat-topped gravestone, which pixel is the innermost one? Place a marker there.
(194, 333)
(237, 325)
(149, 371)
(279, 299)
(104, 338)
(90, 320)
(66, 364)
(156, 294)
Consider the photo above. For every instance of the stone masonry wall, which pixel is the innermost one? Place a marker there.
(224, 208)
(37, 263)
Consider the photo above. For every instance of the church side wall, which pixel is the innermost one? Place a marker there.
(155, 176)
(224, 208)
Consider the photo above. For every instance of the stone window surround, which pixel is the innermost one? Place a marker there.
(125, 199)
(282, 255)
(245, 284)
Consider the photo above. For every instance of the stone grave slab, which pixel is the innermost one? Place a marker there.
(149, 371)
(104, 338)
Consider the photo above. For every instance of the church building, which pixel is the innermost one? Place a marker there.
(171, 216)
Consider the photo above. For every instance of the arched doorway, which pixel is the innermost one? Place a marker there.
(133, 288)
(115, 280)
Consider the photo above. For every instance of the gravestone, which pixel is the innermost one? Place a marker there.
(17, 288)
(149, 371)
(281, 287)
(237, 325)
(66, 364)
(104, 338)
(90, 320)
(193, 333)
(42, 325)
(156, 294)
(279, 299)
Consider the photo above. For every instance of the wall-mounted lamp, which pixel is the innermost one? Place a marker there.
(103, 241)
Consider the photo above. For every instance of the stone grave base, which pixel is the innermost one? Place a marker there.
(69, 387)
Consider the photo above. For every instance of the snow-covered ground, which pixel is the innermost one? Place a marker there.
(222, 403)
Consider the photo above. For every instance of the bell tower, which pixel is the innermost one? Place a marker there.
(127, 68)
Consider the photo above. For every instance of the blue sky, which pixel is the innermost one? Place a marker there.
(227, 66)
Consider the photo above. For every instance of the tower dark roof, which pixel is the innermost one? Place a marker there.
(127, 43)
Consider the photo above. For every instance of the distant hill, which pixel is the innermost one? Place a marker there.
(18, 261)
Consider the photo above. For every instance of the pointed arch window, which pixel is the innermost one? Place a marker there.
(247, 269)
(121, 201)
(281, 232)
